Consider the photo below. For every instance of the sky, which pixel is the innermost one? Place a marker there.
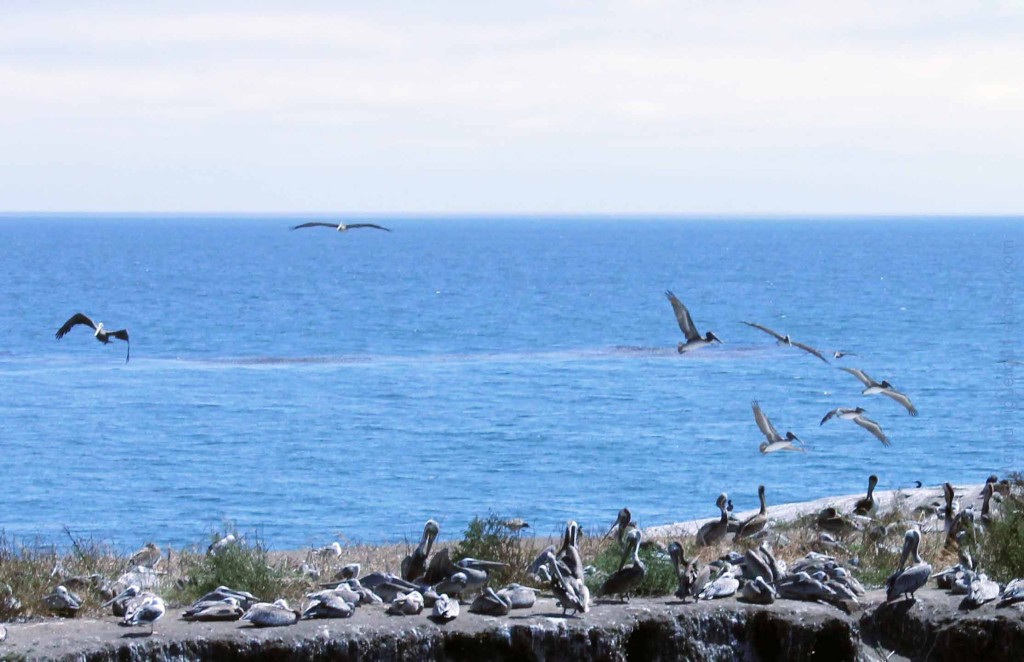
(628, 107)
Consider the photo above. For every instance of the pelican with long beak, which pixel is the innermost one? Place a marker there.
(867, 506)
(786, 340)
(756, 523)
(622, 522)
(871, 387)
(775, 441)
(908, 579)
(714, 531)
(627, 578)
(100, 332)
(415, 564)
(857, 416)
(694, 340)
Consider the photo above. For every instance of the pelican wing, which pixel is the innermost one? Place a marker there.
(77, 318)
(902, 399)
(766, 426)
(366, 225)
(777, 336)
(873, 428)
(683, 317)
(828, 416)
(809, 349)
(317, 224)
(861, 375)
(776, 446)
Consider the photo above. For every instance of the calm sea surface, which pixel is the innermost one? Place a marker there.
(312, 385)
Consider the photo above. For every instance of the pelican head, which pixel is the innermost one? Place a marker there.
(99, 329)
(723, 498)
(792, 437)
(711, 337)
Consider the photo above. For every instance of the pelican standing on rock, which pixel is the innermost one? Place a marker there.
(266, 614)
(714, 531)
(341, 227)
(101, 333)
(145, 611)
(775, 441)
(627, 578)
(686, 325)
(415, 564)
(885, 388)
(756, 523)
(786, 340)
(147, 557)
(867, 505)
(908, 579)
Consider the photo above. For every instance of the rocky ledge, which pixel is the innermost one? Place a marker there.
(644, 629)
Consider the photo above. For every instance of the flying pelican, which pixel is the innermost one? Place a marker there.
(867, 505)
(628, 577)
(101, 334)
(838, 354)
(415, 564)
(906, 580)
(714, 531)
(857, 416)
(693, 339)
(775, 441)
(756, 523)
(883, 387)
(786, 340)
(341, 227)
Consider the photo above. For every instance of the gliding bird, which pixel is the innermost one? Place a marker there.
(341, 227)
(786, 340)
(693, 338)
(776, 442)
(883, 387)
(101, 334)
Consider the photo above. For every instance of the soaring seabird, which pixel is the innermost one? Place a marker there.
(857, 416)
(101, 334)
(786, 340)
(693, 338)
(883, 387)
(341, 227)
(776, 442)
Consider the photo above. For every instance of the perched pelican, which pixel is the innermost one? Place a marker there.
(622, 523)
(519, 596)
(885, 388)
(714, 531)
(145, 611)
(628, 577)
(147, 557)
(327, 604)
(214, 610)
(341, 227)
(830, 519)
(63, 602)
(569, 593)
(101, 334)
(686, 571)
(406, 604)
(982, 590)
(723, 585)
(1012, 594)
(758, 592)
(415, 565)
(119, 603)
(802, 586)
(786, 340)
(271, 614)
(491, 604)
(693, 339)
(445, 608)
(908, 579)
(857, 416)
(775, 441)
(756, 523)
(223, 593)
(867, 505)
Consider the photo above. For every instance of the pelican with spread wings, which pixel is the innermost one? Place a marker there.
(786, 340)
(775, 441)
(694, 340)
(101, 333)
(341, 227)
(885, 388)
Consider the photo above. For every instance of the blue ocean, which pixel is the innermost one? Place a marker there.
(313, 385)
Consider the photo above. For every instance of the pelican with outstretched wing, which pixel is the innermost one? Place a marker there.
(693, 338)
(786, 340)
(885, 388)
(101, 333)
(775, 441)
(341, 227)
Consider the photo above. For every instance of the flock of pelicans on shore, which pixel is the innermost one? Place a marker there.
(437, 583)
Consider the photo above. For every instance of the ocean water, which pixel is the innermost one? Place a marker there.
(312, 386)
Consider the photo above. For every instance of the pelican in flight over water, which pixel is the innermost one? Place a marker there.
(883, 387)
(786, 340)
(858, 417)
(341, 227)
(693, 338)
(101, 333)
(776, 442)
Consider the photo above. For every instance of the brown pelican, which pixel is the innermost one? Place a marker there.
(1012, 594)
(838, 354)
(756, 523)
(214, 610)
(715, 531)
(341, 227)
(415, 564)
(786, 340)
(406, 604)
(802, 586)
(622, 522)
(145, 610)
(101, 333)
(271, 614)
(444, 609)
(693, 338)
(982, 590)
(223, 593)
(491, 604)
(885, 388)
(867, 505)
(857, 416)
(628, 577)
(147, 557)
(758, 592)
(686, 571)
(775, 441)
(907, 579)
(723, 585)
(832, 520)
(570, 594)
(519, 596)
(63, 602)
(328, 604)
(119, 603)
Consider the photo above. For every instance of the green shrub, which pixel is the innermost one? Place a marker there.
(489, 539)
(659, 578)
(1002, 547)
